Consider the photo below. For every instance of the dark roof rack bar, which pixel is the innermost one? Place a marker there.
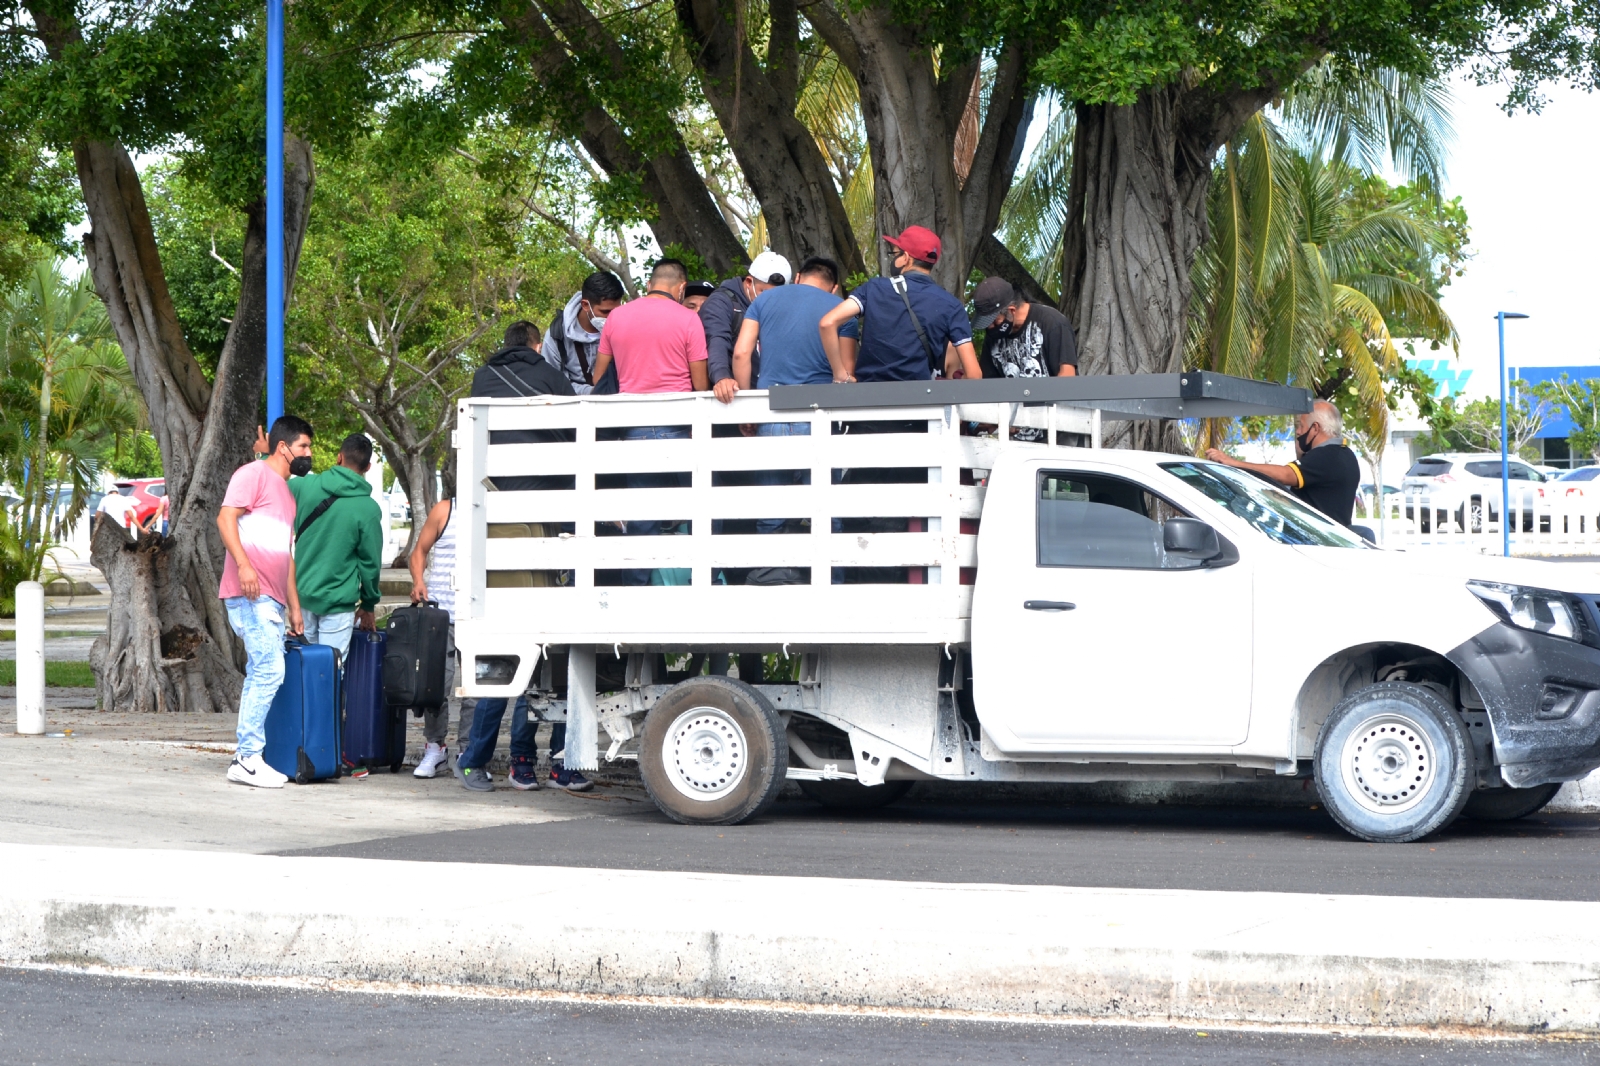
(1120, 397)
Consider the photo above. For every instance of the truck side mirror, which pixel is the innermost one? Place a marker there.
(1190, 537)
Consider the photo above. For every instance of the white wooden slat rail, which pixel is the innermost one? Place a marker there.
(563, 546)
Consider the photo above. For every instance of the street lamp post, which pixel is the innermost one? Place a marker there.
(1505, 459)
(274, 210)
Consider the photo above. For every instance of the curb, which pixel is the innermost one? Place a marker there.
(1137, 955)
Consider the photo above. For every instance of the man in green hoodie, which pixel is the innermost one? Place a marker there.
(338, 548)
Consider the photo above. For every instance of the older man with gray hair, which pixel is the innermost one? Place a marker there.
(1324, 474)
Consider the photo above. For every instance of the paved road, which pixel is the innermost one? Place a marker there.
(1013, 842)
(56, 1018)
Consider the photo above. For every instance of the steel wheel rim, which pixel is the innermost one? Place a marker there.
(1388, 763)
(705, 753)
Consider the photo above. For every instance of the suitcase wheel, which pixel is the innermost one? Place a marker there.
(304, 771)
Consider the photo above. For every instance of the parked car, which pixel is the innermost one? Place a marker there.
(1464, 487)
(1577, 482)
(147, 492)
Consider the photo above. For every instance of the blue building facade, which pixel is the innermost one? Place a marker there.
(1552, 438)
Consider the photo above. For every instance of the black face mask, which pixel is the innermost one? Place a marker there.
(300, 466)
(1304, 440)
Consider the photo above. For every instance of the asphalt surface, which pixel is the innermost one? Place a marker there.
(1554, 856)
(59, 1018)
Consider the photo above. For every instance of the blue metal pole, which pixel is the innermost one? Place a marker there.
(274, 210)
(1505, 461)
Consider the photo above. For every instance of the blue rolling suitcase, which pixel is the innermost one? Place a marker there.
(303, 723)
(374, 732)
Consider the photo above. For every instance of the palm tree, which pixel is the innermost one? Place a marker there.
(65, 395)
(1306, 269)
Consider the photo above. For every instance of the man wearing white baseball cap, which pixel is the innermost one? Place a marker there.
(723, 313)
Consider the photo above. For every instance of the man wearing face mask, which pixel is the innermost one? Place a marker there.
(257, 526)
(1324, 474)
(573, 338)
(1022, 339)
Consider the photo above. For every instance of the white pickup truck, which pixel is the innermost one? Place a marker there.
(953, 594)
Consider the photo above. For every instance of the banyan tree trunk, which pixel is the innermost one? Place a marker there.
(1136, 219)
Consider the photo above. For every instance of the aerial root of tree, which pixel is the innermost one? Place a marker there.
(138, 665)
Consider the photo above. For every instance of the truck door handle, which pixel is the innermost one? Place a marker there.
(1048, 605)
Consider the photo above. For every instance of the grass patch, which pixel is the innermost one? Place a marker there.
(50, 634)
(56, 675)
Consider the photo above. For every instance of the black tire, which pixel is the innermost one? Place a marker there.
(854, 796)
(741, 752)
(1508, 804)
(1394, 763)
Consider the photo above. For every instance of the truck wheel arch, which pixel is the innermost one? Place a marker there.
(1353, 668)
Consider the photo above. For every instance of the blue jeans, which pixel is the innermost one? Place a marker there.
(331, 629)
(774, 477)
(260, 624)
(486, 733)
(679, 576)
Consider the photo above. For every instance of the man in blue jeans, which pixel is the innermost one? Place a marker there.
(256, 522)
(472, 765)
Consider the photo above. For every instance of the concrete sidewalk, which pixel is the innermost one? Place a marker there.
(1154, 955)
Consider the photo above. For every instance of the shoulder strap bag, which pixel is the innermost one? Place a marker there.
(899, 283)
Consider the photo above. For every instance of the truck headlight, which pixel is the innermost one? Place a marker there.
(1540, 610)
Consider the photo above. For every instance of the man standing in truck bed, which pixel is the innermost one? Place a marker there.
(911, 328)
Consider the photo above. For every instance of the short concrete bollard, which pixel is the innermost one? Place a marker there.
(30, 657)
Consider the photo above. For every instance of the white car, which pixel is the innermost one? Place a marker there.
(1579, 482)
(1464, 487)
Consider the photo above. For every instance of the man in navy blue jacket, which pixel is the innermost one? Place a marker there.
(723, 313)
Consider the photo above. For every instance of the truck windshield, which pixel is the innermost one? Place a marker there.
(1271, 510)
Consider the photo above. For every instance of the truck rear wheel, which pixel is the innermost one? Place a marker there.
(1394, 763)
(853, 795)
(1509, 804)
(713, 752)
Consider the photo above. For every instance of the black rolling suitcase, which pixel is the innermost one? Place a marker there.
(413, 659)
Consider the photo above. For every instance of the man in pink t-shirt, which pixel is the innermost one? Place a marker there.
(659, 345)
(257, 526)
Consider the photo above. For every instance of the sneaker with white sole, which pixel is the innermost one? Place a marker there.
(523, 775)
(433, 757)
(254, 771)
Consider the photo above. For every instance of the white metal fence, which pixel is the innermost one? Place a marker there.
(1545, 519)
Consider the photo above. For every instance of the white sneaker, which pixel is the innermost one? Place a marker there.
(254, 771)
(433, 757)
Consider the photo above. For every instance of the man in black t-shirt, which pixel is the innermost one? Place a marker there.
(1325, 473)
(1022, 339)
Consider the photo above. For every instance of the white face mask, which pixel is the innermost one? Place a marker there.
(596, 322)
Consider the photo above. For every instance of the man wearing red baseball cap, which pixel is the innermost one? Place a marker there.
(912, 327)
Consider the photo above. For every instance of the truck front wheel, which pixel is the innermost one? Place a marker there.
(1394, 763)
(713, 752)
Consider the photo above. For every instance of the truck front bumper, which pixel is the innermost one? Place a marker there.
(1543, 698)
